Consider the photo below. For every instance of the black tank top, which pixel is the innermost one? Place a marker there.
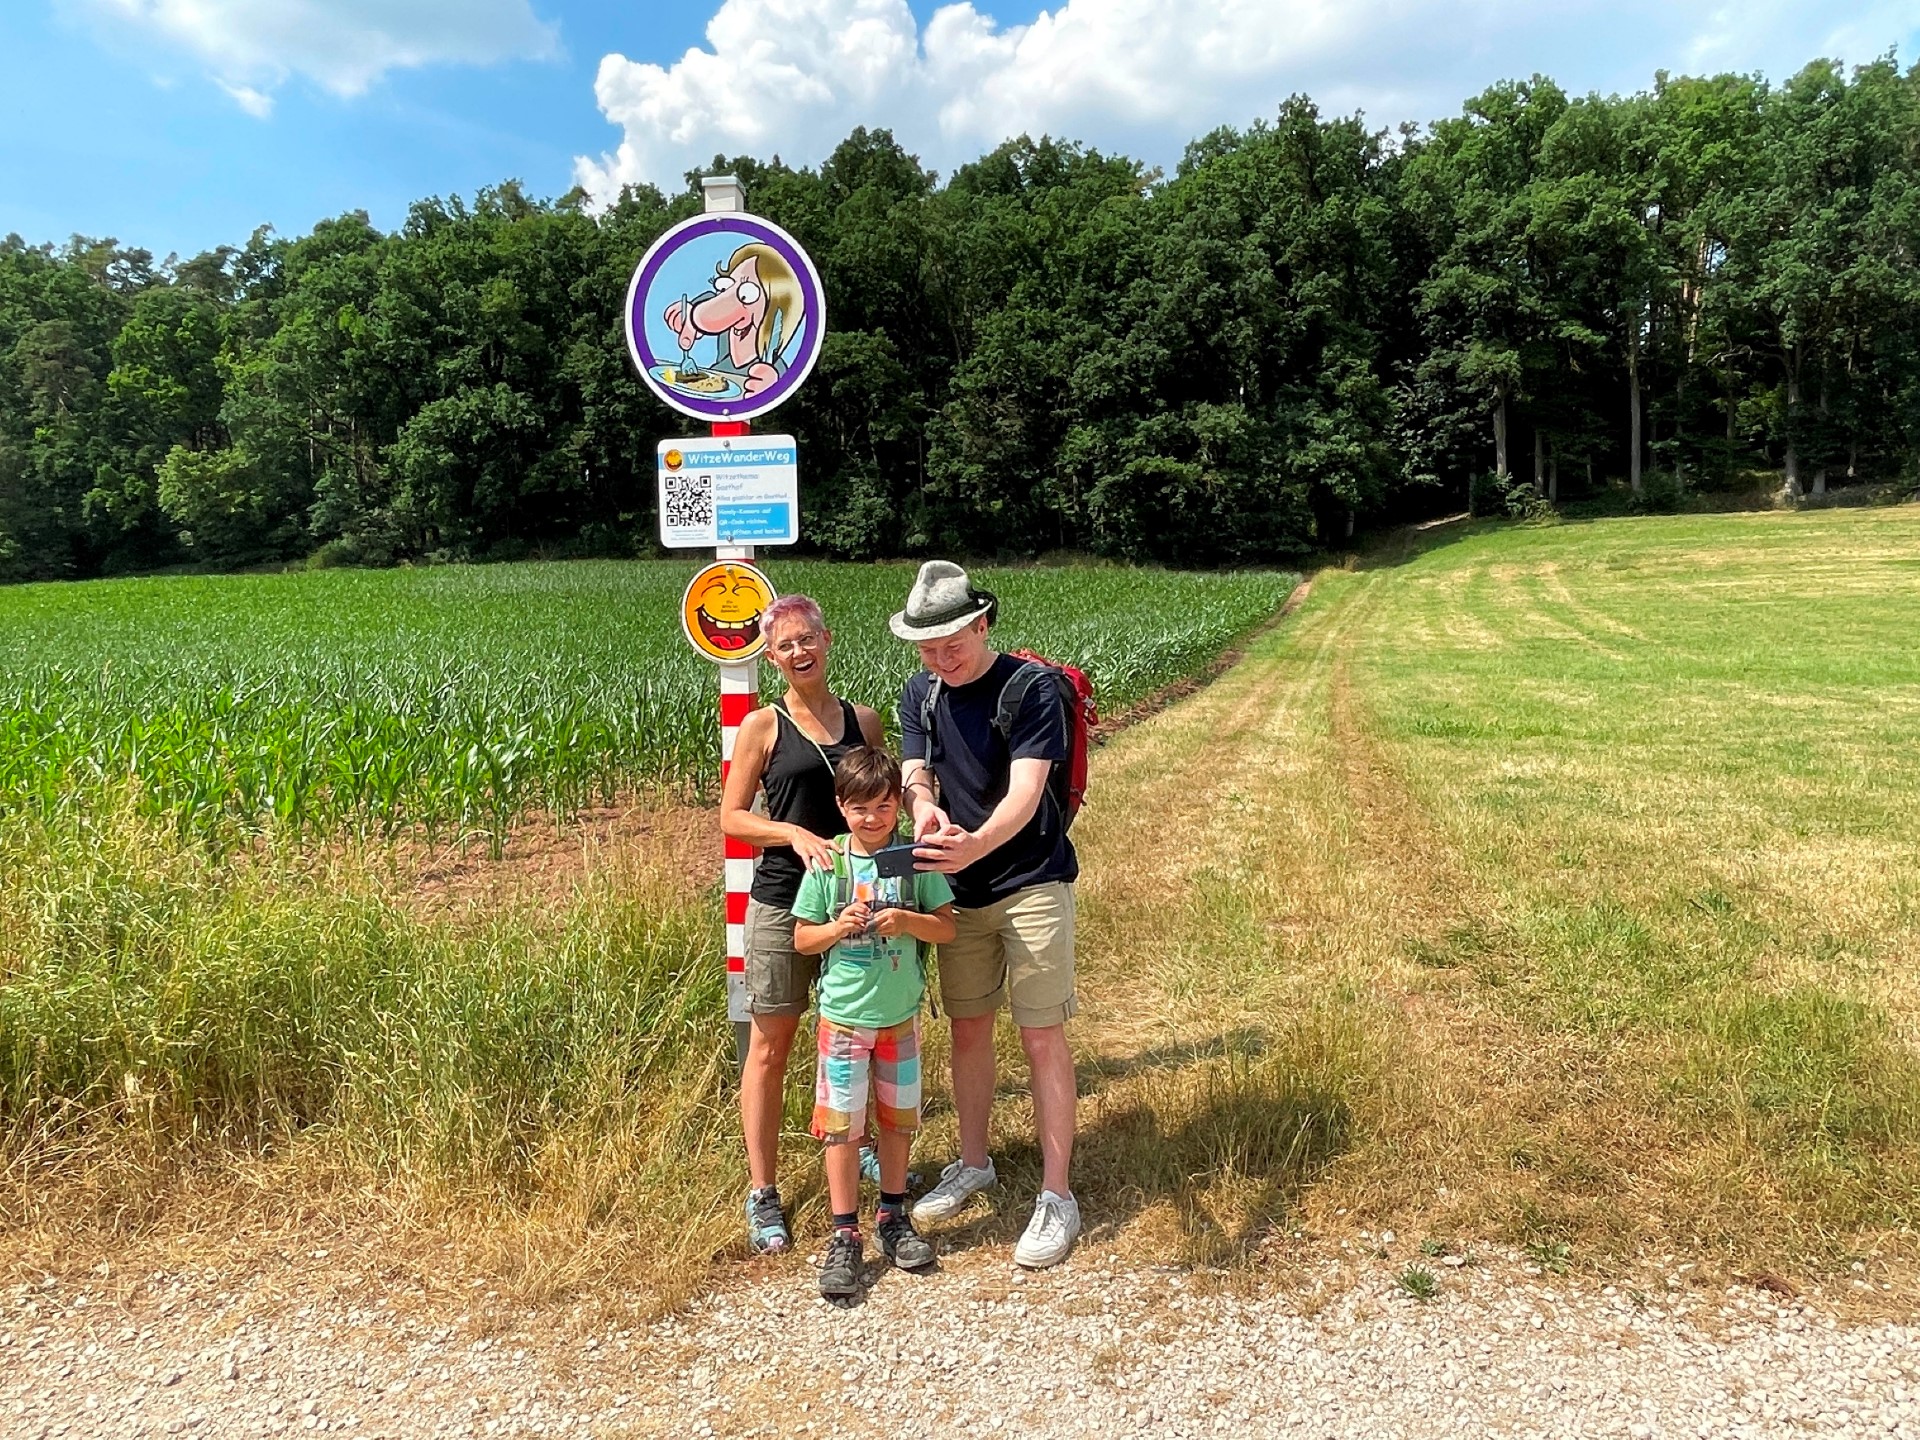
(799, 785)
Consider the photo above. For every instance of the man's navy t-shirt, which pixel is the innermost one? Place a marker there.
(973, 765)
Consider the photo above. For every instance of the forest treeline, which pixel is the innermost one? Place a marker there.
(1310, 325)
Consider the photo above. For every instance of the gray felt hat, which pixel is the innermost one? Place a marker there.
(941, 603)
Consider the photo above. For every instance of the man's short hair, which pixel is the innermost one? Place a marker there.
(865, 773)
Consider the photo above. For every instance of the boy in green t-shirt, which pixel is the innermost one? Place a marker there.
(873, 926)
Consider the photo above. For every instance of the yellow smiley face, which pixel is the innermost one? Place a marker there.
(674, 459)
(722, 608)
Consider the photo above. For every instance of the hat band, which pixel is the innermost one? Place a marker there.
(973, 605)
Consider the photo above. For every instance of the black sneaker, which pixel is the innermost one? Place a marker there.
(840, 1271)
(901, 1242)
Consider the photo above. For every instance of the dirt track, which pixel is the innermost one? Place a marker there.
(1097, 1347)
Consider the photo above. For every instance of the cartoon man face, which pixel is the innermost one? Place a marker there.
(736, 309)
(753, 306)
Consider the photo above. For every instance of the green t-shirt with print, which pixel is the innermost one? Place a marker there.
(871, 980)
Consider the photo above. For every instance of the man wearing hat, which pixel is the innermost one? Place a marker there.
(982, 814)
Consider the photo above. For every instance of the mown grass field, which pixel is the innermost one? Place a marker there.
(465, 697)
(1554, 884)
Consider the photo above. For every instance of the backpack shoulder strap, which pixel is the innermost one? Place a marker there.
(928, 699)
(1014, 694)
(842, 877)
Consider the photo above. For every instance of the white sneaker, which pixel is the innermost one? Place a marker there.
(1051, 1232)
(958, 1183)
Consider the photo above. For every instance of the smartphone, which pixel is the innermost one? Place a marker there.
(895, 862)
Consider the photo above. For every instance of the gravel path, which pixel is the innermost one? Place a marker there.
(1093, 1348)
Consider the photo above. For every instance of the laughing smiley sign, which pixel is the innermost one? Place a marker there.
(722, 608)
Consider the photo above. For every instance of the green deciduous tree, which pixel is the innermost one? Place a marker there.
(1312, 324)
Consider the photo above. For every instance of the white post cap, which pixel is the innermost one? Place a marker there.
(723, 192)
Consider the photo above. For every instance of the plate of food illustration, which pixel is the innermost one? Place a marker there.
(695, 380)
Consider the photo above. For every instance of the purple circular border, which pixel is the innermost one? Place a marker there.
(813, 308)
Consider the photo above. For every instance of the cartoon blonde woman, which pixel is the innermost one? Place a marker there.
(754, 307)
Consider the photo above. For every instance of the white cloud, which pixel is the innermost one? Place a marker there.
(253, 46)
(1145, 76)
(254, 102)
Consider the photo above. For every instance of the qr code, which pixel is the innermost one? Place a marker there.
(689, 502)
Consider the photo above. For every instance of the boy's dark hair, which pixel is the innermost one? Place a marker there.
(865, 773)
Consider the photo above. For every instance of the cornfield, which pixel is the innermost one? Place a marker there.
(463, 698)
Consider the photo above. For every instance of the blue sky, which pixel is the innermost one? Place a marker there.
(181, 124)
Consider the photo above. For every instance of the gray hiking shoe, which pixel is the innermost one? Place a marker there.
(840, 1271)
(958, 1183)
(901, 1243)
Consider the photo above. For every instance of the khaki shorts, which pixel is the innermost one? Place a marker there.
(779, 978)
(1020, 949)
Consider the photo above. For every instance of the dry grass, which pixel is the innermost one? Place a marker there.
(488, 1126)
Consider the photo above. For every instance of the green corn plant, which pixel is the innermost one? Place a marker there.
(468, 697)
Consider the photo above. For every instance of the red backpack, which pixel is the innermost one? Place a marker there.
(1073, 692)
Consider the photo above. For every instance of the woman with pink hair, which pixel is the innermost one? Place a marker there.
(788, 749)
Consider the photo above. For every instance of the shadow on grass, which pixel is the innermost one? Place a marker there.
(1246, 1043)
(1408, 543)
(1224, 1135)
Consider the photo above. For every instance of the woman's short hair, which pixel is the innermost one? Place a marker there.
(803, 608)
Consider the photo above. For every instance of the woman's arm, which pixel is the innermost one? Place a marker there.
(752, 745)
(871, 729)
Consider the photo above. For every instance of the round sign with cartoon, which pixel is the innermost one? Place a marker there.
(725, 316)
(722, 608)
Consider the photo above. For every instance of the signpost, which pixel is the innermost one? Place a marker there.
(721, 612)
(739, 490)
(724, 320)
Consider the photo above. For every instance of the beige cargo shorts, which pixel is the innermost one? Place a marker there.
(1017, 952)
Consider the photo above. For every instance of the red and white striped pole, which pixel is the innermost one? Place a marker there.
(739, 693)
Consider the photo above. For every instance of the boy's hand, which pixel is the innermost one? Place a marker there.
(891, 922)
(855, 919)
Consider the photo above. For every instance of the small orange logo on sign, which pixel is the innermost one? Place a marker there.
(674, 457)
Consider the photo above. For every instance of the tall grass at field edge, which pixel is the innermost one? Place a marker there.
(157, 1002)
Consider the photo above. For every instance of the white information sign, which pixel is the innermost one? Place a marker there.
(732, 490)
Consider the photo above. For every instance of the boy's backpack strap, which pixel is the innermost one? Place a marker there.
(1014, 694)
(842, 877)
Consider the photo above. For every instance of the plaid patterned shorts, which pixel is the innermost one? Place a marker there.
(840, 1087)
